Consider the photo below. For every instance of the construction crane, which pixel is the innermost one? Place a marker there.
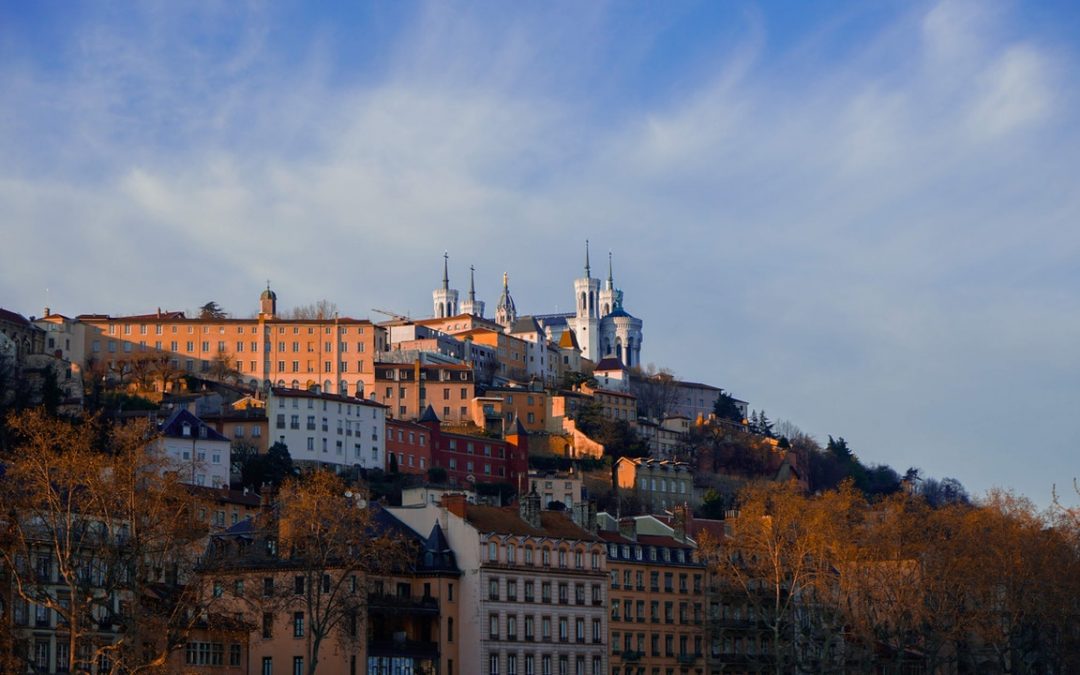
(393, 315)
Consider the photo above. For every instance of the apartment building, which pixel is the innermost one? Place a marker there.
(328, 430)
(656, 598)
(533, 587)
(469, 459)
(201, 455)
(408, 389)
(409, 444)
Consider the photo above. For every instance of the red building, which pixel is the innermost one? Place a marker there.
(479, 459)
(410, 444)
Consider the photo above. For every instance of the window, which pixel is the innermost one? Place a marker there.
(493, 589)
(298, 624)
(268, 665)
(493, 664)
(298, 665)
(450, 629)
(493, 626)
(298, 585)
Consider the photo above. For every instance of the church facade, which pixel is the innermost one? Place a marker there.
(599, 324)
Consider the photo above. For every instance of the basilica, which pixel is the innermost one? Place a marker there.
(600, 327)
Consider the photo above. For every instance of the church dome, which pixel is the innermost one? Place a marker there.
(268, 294)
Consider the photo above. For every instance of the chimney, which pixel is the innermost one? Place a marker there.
(529, 508)
(47, 313)
(679, 521)
(584, 514)
(454, 503)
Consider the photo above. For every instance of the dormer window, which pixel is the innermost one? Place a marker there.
(186, 430)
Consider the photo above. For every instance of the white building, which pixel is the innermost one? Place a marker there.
(201, 454)
(328, 429)
(534, 587)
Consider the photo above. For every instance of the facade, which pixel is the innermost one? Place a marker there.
(660, 484)
(612, 375)
(470, 459)
(27, 338)
(656, 598)
(410, 445)
(337, 353)
(509, 351)
(243, 425)
(695, 401)
(533, 588)
(201, 455)
(328, 430)
(553, 486)
(614, 405)
(528, 405)
(408, 389)
(665, 438)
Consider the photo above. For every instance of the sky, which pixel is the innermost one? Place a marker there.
(863, 218)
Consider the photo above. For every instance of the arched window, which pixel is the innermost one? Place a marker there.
(607, 309)
(295, 384)
(326, 387)
(582, 301)
(629, 351)
(281, 383)
(590, 301)
(618, 348)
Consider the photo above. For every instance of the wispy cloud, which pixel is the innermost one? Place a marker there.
(879, 245)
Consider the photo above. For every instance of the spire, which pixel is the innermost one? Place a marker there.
(472, 285)
(610, 276)
(588, 272)
(445, 271)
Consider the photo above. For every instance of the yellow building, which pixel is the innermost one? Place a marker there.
(656, 599)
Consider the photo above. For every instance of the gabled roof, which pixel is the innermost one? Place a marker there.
(429, 415)
(173, 427)
(13, 317)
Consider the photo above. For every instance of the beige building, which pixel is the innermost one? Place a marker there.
(534, 588)
(408, 389)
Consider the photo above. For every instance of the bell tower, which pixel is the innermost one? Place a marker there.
(445, 298)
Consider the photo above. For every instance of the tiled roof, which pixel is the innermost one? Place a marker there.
(507, 520)
(173, 427)
(285, 392)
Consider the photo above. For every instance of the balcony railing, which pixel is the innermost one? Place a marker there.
(413, 648)
(380, 602)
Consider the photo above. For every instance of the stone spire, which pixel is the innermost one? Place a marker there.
(505, 312)
(472, 284)
(588, 271)
(472, 305)
(446, 271)
(610, 276)
(445, 298)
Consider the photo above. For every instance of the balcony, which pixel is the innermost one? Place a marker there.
(632, 656)
(393, 604)
(412, 648)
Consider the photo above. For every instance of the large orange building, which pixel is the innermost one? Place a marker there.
(510, 351)
(408, 388)
(337, 354)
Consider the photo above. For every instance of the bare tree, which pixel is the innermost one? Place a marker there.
(657, 391)
(88, 530)
(316, 311)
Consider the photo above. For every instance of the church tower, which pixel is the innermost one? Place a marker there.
(586, 320)
(472, 305)
(607, 293)
(446, 298)
(505, 313)
(268, 303)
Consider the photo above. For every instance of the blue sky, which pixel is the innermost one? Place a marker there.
(861, 217)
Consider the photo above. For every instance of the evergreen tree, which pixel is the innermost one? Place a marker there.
(725, 408)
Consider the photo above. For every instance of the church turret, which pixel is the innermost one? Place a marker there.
(505, 313)
(445, 298)
(268, 303)
(608, 292)
(585, 322)
(472, 305)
